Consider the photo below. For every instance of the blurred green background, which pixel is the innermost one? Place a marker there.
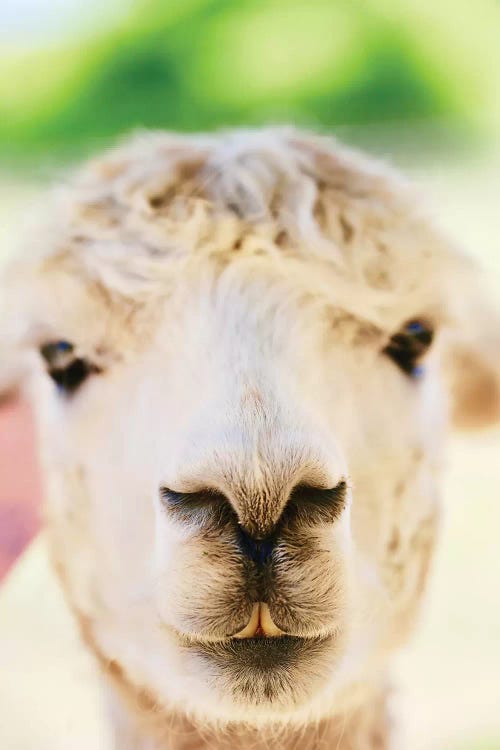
(74, 74)
(416, 81)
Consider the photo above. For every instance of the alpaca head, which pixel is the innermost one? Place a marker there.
(244, 351)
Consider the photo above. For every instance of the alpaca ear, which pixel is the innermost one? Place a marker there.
(471, 360)
(473, 375)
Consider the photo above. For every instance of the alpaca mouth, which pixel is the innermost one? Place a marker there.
(262, 664)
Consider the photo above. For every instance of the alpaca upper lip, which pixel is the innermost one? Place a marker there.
(259, 625)
(251, 637)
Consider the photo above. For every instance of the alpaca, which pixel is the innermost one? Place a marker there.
(245, 352)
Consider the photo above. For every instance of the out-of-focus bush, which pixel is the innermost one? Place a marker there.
(191, 64)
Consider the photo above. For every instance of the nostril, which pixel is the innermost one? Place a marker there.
(257, 550)
(200, 508)
(318, 505)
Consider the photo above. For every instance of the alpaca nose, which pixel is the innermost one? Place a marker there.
(257, 524)
(257, 550)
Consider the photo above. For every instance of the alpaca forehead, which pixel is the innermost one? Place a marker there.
(265, 300)
(129, 215)
(333, 225)
(251, 331)
(260, 308)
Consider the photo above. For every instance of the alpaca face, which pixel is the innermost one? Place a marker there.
(236, 346)
(247, 460)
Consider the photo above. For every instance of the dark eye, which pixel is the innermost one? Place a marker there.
(408, 346)
(67, 370)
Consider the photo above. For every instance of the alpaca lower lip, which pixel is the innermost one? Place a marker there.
(260, 652)
(278, 672)
(258, 671)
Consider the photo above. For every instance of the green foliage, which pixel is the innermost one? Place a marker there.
(212, 63)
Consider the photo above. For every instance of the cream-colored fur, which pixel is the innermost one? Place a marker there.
(236, 293)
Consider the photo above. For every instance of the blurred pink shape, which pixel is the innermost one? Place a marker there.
(20, 481)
